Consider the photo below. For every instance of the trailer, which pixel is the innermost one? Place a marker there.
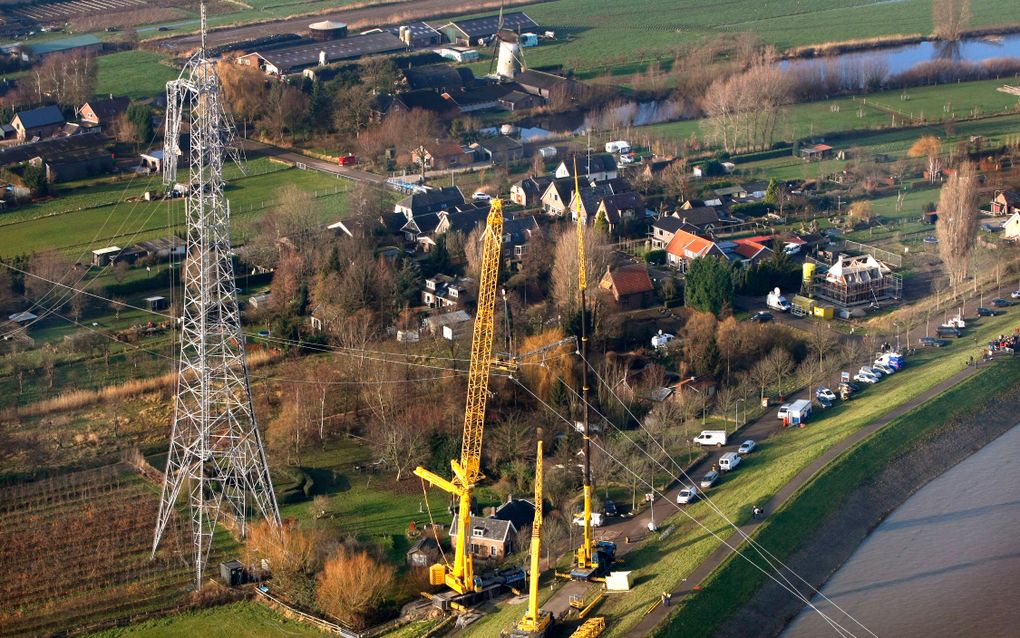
(798, 412)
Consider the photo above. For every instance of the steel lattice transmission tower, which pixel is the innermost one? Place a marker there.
(216, 451)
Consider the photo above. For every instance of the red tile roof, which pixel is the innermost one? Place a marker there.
(631, 280)
(684, 242)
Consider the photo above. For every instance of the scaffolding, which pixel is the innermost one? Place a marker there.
(857, 281)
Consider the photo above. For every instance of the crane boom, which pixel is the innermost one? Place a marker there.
(586, 551)
(460, 577)
(536, 622)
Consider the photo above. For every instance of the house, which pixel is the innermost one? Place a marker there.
(424, 99)
(441, 155)
(557, 196)
(597, 167)
(479, 30)
(517, 234)
(103, 112)
(153, 161)
(424, 552)
(429, 201)
(685, 247)
(444, 292)
(478, 98)
(520, 101)
(630, 286)
(856, 280)
(1006, 203)
(39, 122)
(528, 191)
(663, 231)
(500, 149)
(703, 218)
(816, 152)
(450, 325)
(493, 537)
(746, 252)
(620, 208)
(441, 78)
(1011, 227)
(545, 85)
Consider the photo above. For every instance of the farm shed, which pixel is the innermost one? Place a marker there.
(423, 553)
(417, 35)
(67, 163)
(469, 32)
(286, 60)
(103, 256)
(84, 44)
(38, 122)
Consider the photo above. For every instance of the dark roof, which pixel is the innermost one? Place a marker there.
(61, 149)
(539, 79)
(491, 528)
(499, 144)
(432, 200)
(520, 229)
(486, 26)
(427, 100)
(669, 224)
(110, 107)
(519, 512)
(597, 163)
(393, 222)
(434, 76)
(480, 94)
(535, 185)
(305, 55)
(564, 187)
(42, 116)
(631, 280)
(418, 29)
(424, 544)
(617, 186)
(466, 221)
(621, 202)
(424, 224)
(700, 216)
(1012, 197)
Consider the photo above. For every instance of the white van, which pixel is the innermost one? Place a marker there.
(711, 437)
(619, 146)
(729, 461)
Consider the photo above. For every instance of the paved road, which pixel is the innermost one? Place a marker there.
(379, 14)
(257, 149)
(787, 491)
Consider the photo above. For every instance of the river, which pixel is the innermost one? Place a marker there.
(945, 563)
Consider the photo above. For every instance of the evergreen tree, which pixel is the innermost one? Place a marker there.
(708, 285)
(772, 194)
(140, 117)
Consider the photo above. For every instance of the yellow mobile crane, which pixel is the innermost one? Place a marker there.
(536, 622)
(461, 577)
(593, 558)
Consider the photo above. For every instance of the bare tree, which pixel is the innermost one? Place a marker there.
(351, 586)
(957, 223)
(949, 18)
(779, 364)
(929, 148)
(564, 272)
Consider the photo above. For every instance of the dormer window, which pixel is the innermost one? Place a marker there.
(478, 531)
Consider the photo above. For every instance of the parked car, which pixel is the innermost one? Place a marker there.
(884, 368)
(610, 508)
(747, 447)
(791, 249)
(687, 495)
(947, 331)
(1015, 294)
(871, 370)
(853, 386)
(709, 479)
(999, 302)
(930, 239)
(784, 410)
(761, 317)
(991, 228)
(865, 377)
(825, 393)
(932, 342)
(985, 312)
(481, 197)
(823, 403)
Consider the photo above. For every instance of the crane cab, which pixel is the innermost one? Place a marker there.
(531, 630)
(602, 558)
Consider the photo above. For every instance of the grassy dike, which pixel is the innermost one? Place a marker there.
(734, 584)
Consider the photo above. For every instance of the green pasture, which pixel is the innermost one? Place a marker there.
(135, 74)
(239, 620)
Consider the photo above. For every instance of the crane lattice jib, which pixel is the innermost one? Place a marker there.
(532, 618)
(582, 279)
(481, 346)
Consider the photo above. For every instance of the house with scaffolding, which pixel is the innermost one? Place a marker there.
(854, 281)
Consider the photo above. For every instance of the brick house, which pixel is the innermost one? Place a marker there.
(39, 122)
(1006, 203)
(528, 191)
(630, 286)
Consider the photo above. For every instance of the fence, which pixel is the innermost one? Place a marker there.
(301, 617)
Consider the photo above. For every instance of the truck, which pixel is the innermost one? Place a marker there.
(619, 146)
(711, 437)
(776, 301)
(798, 412)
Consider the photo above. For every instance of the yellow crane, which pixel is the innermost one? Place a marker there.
(460, 577)
(592, 558)
(536, 622)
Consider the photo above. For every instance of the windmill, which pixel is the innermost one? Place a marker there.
(507, 54)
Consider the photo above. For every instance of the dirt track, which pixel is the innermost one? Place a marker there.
(379, 14)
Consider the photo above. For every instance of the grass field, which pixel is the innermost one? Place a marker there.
(793, 525)
(135, 74)
(603, 34)
(60, 224)
(661, 563)
(239, 620)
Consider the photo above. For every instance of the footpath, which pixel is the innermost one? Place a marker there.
(722, 553)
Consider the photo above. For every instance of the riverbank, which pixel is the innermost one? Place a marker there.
(874, 479)
(881, 43)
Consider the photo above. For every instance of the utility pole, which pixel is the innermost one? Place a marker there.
(216, 450)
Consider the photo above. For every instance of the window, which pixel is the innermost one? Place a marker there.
(478, 531)
(492, 550)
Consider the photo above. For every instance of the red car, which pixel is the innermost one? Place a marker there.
(347, 160)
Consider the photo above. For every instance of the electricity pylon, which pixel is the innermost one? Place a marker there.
(216, 451)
